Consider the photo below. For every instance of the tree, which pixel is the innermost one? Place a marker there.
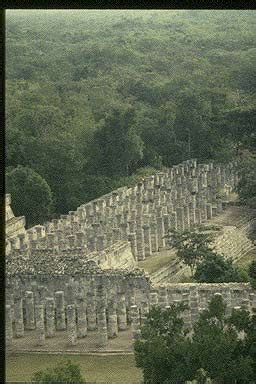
(246, 187)
(213, 352)
(63, 372)
(252, 273)
(217, 347)
(163, 350)
(192, 246)
(31, 195)
(116, 146)
(214, 268)
(252, 270)
(239, 124)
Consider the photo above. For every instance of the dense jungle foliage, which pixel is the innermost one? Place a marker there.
(95, 97)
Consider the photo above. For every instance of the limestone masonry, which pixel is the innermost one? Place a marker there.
(75, 283)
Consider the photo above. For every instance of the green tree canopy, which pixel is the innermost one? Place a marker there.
(246, 187)
(64, 372)
(31, 195)
(104, 93)
(116, 145)
(192, 246)
(214, 349)
(163, 351)
(214, 268)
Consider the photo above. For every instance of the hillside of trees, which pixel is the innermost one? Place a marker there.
(94, 98)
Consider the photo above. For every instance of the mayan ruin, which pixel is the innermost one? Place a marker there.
(77, 282)
(129, 195)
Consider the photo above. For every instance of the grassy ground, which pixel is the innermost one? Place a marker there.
(158, 260)
(95, 369)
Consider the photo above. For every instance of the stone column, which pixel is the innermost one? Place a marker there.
(160, 232)
(8, 325)
(147, 240)
(180, 218)
(81, 318)
(140, 244)
(154, 237)
(144, 310)
(112, 318)
(50, 316)
(162, 297)
(203, 210)
(60, 311)
(29, 310)
(132, 226)
(91, 310)
(198, 216)
(18, 317)
(186, 315)
(101, 318)
(208, 211)
(166, 218)
(173, 221)
(194, 304)
(186, 218)
(153, 298)
(133, 242)
(71, 324)
(39, 315)
(121, 313)
(135, 322)
(228, 301)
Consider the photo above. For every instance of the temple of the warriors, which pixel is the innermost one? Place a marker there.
(80, 282)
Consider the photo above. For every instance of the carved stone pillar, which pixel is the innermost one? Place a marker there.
(39, 315)
(8, 325)
(50, 316)
(71, 324)
(147, 240)
(121, 313)
(81, 318)
(18, 317)
(135, 322)
(60, 311)
(29, 310)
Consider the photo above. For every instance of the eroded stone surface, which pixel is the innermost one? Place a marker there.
(78, 275)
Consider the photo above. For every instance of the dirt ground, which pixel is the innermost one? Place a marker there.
(60, 343)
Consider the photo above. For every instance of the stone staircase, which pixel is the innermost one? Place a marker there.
(232, 241)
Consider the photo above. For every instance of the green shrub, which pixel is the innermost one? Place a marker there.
(63, 372)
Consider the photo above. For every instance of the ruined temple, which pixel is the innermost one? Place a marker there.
(78, 282)
(14, 225)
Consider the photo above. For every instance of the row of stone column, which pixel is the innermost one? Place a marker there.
(52, 315)
(108, 316)
(174, 190)
(193, 306)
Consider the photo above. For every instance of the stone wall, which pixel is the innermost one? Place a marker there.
(14, 225)
(77, 274)
(106, 304)
(180, 198)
